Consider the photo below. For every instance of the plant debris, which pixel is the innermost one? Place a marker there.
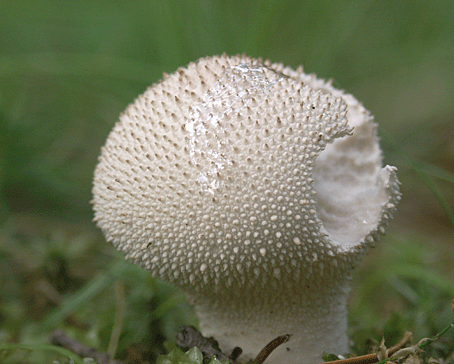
(189, 337)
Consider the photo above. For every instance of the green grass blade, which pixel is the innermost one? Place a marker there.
(43, 347)
(88, 292)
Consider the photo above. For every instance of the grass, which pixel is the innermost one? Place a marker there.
(67, 69)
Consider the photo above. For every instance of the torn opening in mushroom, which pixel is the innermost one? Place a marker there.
(350, 182)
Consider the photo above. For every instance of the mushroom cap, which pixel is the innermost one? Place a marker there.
(238, 172)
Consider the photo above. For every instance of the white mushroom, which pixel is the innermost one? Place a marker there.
(254, 188)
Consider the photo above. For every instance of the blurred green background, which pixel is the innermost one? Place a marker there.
(67, 70)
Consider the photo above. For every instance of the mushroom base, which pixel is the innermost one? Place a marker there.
(317, 322)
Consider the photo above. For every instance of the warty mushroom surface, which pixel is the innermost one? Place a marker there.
(256, 189)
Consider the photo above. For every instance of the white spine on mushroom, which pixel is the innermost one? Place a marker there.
(255, 189)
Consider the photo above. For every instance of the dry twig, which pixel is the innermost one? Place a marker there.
(373, 358)
(268, 349)
(58, 337)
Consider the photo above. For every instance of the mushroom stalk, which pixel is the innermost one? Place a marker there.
(316, 319)
(254, 188)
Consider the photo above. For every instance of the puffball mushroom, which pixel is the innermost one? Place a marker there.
(256, 189)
